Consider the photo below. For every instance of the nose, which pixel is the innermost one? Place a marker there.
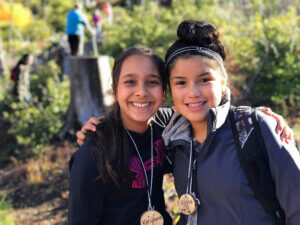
(193, 90)
(141, 90)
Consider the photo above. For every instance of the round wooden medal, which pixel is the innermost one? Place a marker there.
(151, 217)
(187, 204)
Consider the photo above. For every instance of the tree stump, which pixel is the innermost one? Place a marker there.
(86, 92)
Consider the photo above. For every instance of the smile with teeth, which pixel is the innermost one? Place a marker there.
(140, 105)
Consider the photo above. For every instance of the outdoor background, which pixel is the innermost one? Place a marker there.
(261, 38)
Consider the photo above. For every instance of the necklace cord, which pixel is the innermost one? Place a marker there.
(149, 189)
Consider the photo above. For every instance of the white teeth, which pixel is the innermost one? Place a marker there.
(196, 104)
(140, 105)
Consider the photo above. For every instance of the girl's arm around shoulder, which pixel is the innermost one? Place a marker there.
(284, 161)
(86, 192)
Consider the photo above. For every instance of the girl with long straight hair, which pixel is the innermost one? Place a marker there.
(116, 176)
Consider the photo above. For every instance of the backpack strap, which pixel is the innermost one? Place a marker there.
(253, 157)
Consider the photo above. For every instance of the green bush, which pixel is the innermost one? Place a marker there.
(37, 30)
(252, 32)
(5, 207)
(53, 12)
(151, 25)
(56, 12)
(265, 52)
(35, 123)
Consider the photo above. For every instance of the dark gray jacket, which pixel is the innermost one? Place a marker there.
(221, 185)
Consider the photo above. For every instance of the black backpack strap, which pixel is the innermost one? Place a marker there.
(272, 199)
(253, 157)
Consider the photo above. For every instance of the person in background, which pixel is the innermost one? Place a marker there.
(97, 17)
(76, 22)
(108, 10)
(20, 74)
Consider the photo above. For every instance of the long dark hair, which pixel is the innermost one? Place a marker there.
(111, 145)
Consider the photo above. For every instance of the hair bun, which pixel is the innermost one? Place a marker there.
(198, 32)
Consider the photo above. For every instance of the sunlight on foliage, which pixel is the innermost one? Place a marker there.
(15, 13)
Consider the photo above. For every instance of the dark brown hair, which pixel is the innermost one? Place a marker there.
(196, 33)
(111, 145)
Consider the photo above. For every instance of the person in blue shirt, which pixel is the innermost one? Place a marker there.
(76, 22)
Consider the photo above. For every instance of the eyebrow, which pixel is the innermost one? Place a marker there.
(155, 76)
(200, 75)
(133, 75)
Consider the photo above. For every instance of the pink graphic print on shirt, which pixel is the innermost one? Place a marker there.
(136, 166)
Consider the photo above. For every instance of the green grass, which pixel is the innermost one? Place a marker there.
(5, 208)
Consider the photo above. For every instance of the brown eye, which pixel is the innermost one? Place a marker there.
(180, 83)
(129, 82)
(153, 82)
(205, 80)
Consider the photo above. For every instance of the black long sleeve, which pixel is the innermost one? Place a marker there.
(86, 192)
(92, 201)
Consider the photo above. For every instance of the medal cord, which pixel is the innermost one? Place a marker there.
(190, 177)
(149, 192)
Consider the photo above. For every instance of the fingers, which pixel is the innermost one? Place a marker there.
(278, 119)
(286, 133)
(80, 138)
(289, 136)
(283, 135)
(90, 125)
(94, 120)
(267, 111)
(292, 137)
(281, 124)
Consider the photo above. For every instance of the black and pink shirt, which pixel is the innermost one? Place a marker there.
(93, 202)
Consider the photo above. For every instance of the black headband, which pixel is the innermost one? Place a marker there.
(207, 51)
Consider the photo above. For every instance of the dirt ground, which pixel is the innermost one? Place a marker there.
(38, 190)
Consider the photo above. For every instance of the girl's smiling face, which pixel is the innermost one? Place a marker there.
(196, 86)
(139, 91)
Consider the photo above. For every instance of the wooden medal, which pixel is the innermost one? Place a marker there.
(151, 217)
(187, 204)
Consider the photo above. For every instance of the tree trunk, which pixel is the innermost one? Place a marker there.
(86, 92)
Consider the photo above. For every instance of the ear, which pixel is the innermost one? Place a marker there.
(224, 86)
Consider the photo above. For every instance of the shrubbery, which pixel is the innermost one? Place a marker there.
(35, 123)
(260, 38)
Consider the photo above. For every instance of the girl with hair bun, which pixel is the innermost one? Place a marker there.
(199, 139)
(208, 173)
